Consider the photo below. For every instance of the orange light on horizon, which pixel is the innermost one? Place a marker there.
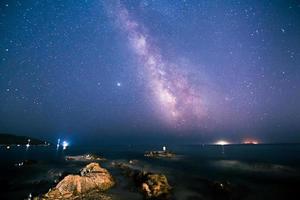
(250, 141)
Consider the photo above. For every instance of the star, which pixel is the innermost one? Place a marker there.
(118, 84)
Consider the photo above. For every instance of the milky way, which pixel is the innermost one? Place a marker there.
(203, 70)
(175, 98)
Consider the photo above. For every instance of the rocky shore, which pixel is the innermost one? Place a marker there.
(90, 184)
(93, 181)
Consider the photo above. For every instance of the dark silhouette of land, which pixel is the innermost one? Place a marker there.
(10, 139)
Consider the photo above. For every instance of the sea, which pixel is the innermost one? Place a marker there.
(262, 171)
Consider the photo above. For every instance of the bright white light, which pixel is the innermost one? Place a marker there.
(222, 142)
(58, 142)
(65, 144)
(28, 145)
(118, 84)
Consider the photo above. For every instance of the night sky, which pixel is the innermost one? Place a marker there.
(150, 71)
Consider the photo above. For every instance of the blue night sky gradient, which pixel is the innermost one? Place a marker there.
(67, 69)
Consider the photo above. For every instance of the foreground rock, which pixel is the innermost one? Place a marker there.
(85, 158)
(155, 185)
(152, 185)
(88, 185)
(160, 154)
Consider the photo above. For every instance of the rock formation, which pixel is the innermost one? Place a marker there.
(152, 185)
(85, 158)
(155, 186)
(88, 185)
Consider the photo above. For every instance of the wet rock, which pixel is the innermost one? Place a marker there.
(85, 158)
(124, 166)
(91, 195)
(156, 186)
(92, 179)
(152, 185)
(133, 162)
(57, 175)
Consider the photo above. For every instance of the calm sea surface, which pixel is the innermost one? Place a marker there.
(253, 171)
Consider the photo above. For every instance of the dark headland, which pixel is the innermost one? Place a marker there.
(10, 139)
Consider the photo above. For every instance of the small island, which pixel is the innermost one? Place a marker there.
(160, 154)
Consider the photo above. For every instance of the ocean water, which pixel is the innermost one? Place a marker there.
(253, 171)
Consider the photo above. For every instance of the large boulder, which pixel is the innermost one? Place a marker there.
(156, 186)
(152, 185)
(91, 178)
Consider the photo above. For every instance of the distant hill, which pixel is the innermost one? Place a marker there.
(9, 139)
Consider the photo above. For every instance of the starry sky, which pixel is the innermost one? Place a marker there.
(150, 70)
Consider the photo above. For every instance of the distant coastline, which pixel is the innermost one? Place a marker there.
(10, 139)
